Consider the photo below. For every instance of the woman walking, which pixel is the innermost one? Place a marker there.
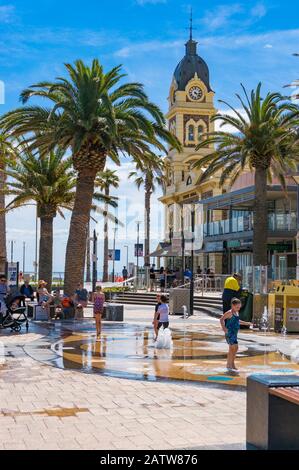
(98, 307)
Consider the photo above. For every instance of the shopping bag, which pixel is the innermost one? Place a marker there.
(164, 340)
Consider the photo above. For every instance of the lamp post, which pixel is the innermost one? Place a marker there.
(113, 268)
(127, 247)
(138, 233)
(94, 261)
(182, 243)
(296, 179)
(24, 256)
(11, 250)
(192, 259)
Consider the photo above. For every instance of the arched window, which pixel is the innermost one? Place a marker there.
(200, 131)
(191, 133)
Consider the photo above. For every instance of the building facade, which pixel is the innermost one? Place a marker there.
(191, 106)
(223, 216)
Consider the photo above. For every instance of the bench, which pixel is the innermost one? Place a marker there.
(290, 394)
(272, 417)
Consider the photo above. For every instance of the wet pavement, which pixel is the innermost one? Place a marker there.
(127, 350)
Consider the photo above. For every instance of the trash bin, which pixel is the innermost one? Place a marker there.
(178, 298)
(271, 423)
(246, 310)
(114, 312)
(285, 301)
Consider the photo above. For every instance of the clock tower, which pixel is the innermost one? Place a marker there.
(191, 106)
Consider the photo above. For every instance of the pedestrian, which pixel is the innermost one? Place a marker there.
(162, 279)
(125, 273)
(4, 291)
(155, 321)
(230, 323)
(152, 278)
(232, 289)
(27, 290)
(162, 314)
(98, 308)
(199, 270)
(81, 300)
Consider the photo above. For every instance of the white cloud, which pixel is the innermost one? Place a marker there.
(7, 13)
(221, 15)
(229, 112)
(145, 47)
(259, 10)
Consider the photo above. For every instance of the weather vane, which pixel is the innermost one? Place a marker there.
(191, 27)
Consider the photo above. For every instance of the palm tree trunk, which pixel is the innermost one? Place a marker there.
(106, 241)
(46, 250)
(76, 245)
(2, 219)
(260, 219)
(147, 223)
(88, 264)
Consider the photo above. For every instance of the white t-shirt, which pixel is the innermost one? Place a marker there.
(163, 311)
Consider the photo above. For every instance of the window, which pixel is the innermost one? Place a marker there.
(183, 175)
(207, 194)
(191, 133)
(189, 181)
(200, 131)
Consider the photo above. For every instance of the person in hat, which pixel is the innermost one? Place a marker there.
(232, 289)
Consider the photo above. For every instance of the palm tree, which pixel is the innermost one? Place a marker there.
(50, 183)
(108, 200)
(96, 117)
(105, 180)
(7, 152)
(149, 174)
(264, 142)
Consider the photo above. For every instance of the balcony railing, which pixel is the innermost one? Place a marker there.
(276, 222)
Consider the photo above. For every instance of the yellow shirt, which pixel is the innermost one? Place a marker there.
(231, 283)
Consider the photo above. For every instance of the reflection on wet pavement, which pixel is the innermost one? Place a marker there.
(127, 350)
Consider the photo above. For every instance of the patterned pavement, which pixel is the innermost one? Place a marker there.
(57, 393)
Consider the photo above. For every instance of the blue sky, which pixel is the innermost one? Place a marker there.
(246, 41)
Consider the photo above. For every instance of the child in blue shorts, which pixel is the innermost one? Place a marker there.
(230, 323)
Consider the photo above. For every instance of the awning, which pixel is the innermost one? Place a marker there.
(242, 199)
(168, 250)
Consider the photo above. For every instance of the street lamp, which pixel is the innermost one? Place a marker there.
(24, 256)
(138, 222)
(94, 261)
(127, 247)
(182, 242)
(11, 250)
(113, 269)
(192, 259)
(296, 179)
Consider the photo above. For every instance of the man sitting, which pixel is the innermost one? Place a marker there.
(27, 290)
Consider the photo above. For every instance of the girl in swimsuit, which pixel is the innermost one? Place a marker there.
(230, 323)
(98, 307)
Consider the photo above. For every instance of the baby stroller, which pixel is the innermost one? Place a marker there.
(12, 315)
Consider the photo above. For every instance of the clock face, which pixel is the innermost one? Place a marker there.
(195, 93)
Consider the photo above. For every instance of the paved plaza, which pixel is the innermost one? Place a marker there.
(60, 389)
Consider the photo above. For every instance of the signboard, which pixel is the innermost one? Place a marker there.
(213, 246)
(280, 247)
(138, 249)
(12, 274)
(113, 255)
